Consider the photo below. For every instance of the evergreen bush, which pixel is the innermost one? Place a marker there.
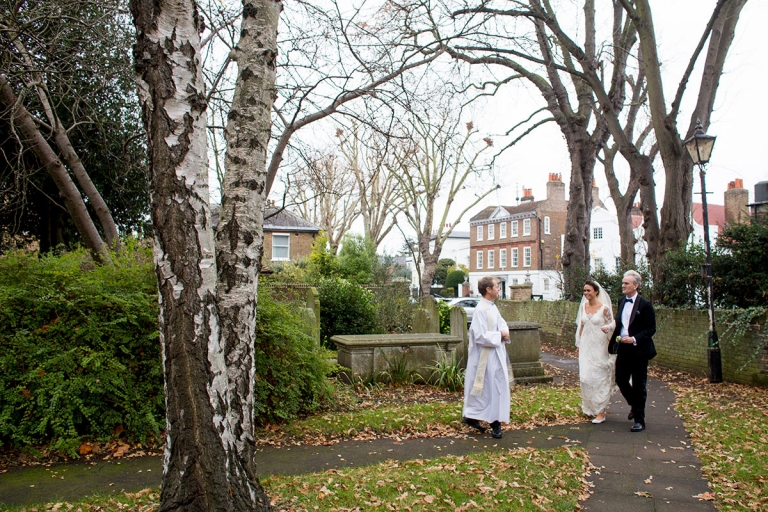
(291, 369)
(79, 355)
(394, 307)
(346, 308)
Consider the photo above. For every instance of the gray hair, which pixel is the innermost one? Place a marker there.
(636, 277)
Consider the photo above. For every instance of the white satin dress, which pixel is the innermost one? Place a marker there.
(597, 368)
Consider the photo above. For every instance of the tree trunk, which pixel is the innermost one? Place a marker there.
(576, 258)
(624, 203)
(202, 437)
(239, 240)
(97, 202)
(675, 225)
(73, 201)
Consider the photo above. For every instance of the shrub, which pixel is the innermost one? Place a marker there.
(740, 265)
(346, 308)
(394, 307)
(78, 349)
(291, 369)
(80, 358)
(454, 280)
(444, 311)
(682, 285)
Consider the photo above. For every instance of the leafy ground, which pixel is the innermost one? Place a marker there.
(728, 424)
(528, 479)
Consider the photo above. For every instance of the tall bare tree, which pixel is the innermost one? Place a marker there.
(366, 153)
(432, 171)
(675, 223)
(540, 61)
(207, 318)
(323, 192)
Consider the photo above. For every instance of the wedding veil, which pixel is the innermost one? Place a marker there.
(602, 297)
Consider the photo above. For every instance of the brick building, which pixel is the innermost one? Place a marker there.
(521, 243)
(287, 237)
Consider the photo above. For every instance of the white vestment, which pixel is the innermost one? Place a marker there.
(486, 393)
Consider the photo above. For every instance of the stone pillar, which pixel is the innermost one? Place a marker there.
(313, 311)
(524, 353)
(521, 291)
(459, 330)
(429, 304)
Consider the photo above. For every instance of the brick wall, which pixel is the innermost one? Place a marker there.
(300, 246)
(681, 338)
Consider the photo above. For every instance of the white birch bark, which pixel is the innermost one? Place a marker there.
(198, 473)
(239, 241)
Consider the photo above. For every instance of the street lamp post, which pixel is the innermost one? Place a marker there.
(699, 147)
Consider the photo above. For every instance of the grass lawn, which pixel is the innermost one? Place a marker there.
(728, 424)
(523, 479)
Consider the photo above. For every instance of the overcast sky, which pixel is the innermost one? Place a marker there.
(738, 121)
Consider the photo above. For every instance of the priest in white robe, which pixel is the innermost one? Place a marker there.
(486, 383)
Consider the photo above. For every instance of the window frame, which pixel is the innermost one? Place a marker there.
(526, 227)
(287, 247)
(515, 258)
(479, 260)
(502, 230)
(527, 256)
(514, 229)
(597, 230)
(502, 258)
(491, 258)
(547, 225)
(479, 237)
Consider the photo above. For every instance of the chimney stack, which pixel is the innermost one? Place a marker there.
(527, 194)
(596, 195)
(736, 199)
(555, 187)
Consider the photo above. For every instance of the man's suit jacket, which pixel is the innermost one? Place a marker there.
(642, 326)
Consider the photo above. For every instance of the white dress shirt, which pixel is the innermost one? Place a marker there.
(626, 313)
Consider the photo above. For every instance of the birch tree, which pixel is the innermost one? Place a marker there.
(207, 321)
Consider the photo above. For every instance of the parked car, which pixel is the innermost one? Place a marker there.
(469, 304)
(439, 297)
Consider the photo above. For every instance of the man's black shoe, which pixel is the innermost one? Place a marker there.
(631, 415)
(637, 427)
(474, 424)
(496, 430)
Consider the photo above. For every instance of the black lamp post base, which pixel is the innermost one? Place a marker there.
(715, 365)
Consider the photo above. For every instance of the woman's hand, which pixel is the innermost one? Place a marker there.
(606, 329)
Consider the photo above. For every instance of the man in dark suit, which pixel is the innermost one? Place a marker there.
(635, 327)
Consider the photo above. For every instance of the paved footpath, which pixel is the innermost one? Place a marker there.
(654, 470)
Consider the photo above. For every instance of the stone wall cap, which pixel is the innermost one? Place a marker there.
(521, 326)
(373, 340)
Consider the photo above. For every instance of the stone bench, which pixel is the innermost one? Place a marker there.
(369, 356)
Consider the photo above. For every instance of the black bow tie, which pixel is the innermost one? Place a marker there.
(631, 301)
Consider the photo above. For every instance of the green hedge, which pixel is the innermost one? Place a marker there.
(79, 355)
(291, 369)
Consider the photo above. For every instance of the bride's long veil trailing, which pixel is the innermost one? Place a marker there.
(602, 297)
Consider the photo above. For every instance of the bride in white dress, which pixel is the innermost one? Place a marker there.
(594, 325)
